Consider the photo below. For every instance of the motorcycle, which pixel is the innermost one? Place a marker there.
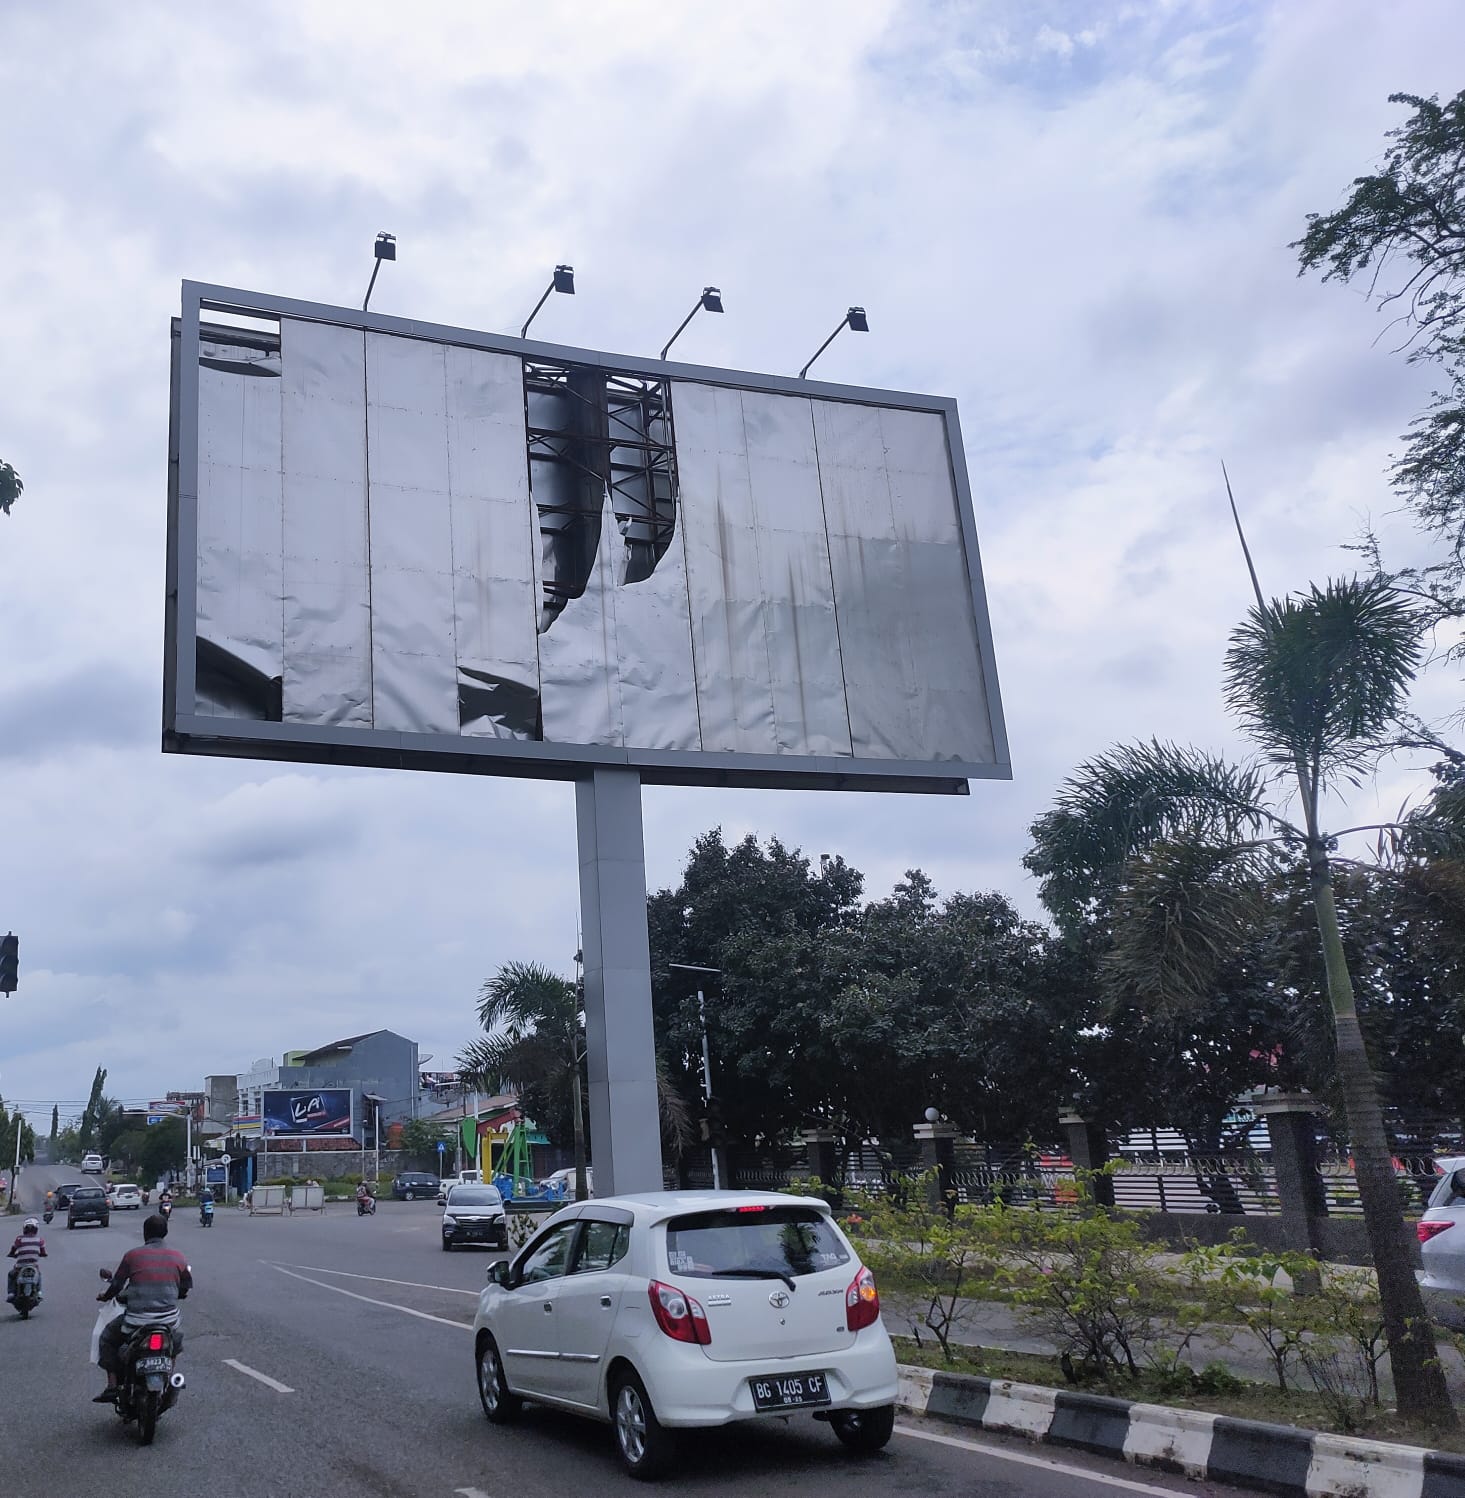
(148, 1381)
(365, 1206)
(205, 1214)
(166, 1208)
(48, 1214)
(27, 1289)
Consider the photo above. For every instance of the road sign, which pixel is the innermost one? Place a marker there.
(441, 1146)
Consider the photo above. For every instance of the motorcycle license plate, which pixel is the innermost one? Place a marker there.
(154, 1365)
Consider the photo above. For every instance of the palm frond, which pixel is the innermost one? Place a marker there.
(1318, 680)
(1181, 913)
(526, 996)
(1131, 798)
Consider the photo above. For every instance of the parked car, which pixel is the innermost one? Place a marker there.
(475, 1214)
(125, 1194)
(679, 1309)
(92, 1165)
(1441, 1233)
(414, 1185)
(561, 1183)
(88, 1204)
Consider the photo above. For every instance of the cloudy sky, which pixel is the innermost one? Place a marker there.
(1072, 217)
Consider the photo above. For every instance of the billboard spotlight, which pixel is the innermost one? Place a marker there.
(385, 248)
(563, 280)
(855, 320)
(709, 301)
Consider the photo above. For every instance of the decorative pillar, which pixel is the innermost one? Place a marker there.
(938, 1153)
(1290, 1127)
(1088, 1148)
(822, 1146)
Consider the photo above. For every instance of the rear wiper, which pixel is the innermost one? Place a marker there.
(754, 1274)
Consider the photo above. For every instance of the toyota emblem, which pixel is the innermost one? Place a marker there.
(778, 1299)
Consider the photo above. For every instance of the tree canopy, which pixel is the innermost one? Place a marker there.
(1402, 231)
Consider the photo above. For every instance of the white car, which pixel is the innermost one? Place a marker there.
(126, 1195)
(474, 1214)
(1441, 1233)
(676, 1309)
(561, 1183)
(91, 1165)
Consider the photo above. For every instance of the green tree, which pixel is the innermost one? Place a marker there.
(534, 1042)
(10, 487)
(420, 1138)
(1403, 229)
(87, 1129)
(164, 1148)
(1318, 683)
(55, 1126)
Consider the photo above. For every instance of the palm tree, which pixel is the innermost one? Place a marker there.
(534, 1039)
(1175, 843)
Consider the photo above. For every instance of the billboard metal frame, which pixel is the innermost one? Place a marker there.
(189, 732)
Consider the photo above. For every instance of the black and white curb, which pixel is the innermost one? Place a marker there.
(1269, 1458)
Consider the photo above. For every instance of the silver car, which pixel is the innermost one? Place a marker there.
(1441, 1233)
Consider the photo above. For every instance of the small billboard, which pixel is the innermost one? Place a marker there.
(307, 1112)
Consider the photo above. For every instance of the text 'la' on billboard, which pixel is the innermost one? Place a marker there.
(308, 1112)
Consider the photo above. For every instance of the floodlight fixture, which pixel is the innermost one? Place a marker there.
(709, 301)
(385, 248)
(563, 280)
(855, 320)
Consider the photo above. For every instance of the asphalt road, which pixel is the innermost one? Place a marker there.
(330, 1356)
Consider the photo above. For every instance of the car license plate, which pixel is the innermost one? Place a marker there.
(780, 1391)
(154, 1365)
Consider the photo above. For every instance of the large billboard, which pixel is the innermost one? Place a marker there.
(307, 1112)
(400, 544)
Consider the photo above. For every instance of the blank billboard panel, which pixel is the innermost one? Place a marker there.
(393, 544)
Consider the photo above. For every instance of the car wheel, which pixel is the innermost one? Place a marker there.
(865, 1430)
(645, 1446)
(447, 1246)
(69, 1226)
(406, 1196)
(107, 1221)
(493, 1391)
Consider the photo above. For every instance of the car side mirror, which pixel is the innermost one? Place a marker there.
(498, 1273)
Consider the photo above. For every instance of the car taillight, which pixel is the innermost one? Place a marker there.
(155, 1342)
(1424, 1231)
(861, 1301)
(678, 1315)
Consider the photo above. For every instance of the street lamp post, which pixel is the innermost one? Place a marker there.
(688, 967)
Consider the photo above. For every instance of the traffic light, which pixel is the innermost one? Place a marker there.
(9, 963)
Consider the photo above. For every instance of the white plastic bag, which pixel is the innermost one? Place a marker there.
(107, 1313)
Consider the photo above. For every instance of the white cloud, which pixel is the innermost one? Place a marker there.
(1075, 220)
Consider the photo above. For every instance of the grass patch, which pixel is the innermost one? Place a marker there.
(1213, 1390)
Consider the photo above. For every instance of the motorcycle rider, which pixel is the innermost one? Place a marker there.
(365, 1202)
(149, 1282)
(28, 1248)
(205, 1204)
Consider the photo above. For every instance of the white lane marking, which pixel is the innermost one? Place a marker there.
(471, 1492)
(380, 1279)
(391, 1305)
(263, 1378)
(1001, 1454)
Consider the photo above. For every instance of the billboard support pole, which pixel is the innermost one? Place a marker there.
(625, 1126)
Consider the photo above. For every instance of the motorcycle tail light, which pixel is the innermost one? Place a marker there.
(155, 1341)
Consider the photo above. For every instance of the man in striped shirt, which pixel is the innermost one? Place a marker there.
(28, 1248)
(149, 1282)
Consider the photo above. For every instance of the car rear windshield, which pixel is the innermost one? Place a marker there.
(776, 1241)
(475, 1196)
(87, 1193)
